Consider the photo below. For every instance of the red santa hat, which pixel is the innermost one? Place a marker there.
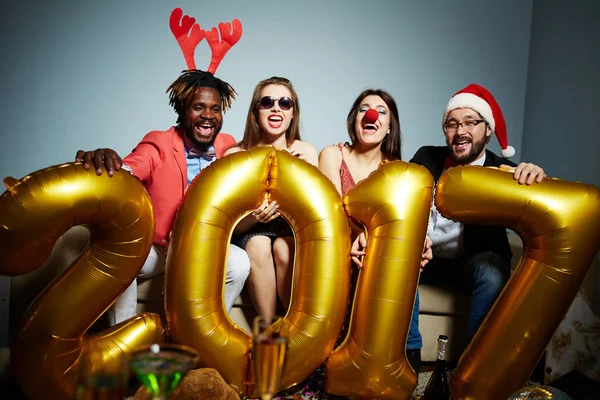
(477, 98)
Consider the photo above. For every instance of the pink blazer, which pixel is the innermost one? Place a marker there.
(159, 162)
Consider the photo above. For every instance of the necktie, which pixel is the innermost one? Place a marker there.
(208, 155)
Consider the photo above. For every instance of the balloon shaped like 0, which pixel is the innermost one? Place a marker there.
(559, 223)
(221, 195)
(34, 213)
(393, 203)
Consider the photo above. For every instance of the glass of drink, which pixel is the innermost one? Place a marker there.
(268, 354)
(100, 377)
(161, 367)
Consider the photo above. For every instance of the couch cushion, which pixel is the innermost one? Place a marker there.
(443, 300)
(447, 300)
(516, 246)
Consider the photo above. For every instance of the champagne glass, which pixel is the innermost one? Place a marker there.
(161, 367)
(268, 354)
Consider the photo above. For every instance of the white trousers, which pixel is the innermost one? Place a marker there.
(238, 268)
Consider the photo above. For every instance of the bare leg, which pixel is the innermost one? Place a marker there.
(261, 281)
(283, 253)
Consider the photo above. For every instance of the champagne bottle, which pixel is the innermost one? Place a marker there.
(437, 388)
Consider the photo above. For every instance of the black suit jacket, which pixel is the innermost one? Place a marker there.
(477, 238)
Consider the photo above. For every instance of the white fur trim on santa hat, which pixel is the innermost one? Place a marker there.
(474, 102)
(508, 152)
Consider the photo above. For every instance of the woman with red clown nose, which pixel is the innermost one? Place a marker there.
(374, 128)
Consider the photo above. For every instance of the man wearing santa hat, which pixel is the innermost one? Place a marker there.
(475, 258)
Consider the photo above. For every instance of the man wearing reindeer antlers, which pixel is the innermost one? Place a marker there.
(166, 162)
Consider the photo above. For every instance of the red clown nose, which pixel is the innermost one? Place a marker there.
(371, 116)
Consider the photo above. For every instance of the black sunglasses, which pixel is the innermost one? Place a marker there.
(285, 103)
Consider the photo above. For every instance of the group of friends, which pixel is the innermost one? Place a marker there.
(473, 257)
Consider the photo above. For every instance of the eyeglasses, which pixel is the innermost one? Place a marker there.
(469, 125)
(285, 103)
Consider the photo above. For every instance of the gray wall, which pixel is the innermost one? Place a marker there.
(562, 128)
(87, 74)
(78, 74)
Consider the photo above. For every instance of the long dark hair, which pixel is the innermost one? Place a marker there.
(252, 130)
(391, 147)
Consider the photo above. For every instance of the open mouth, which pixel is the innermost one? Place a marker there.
(275, 121)
(369, 129)
(204, 128)
(461, 143)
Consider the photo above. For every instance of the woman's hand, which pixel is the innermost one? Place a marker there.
(266, 212)
(296, 152)
(427, 252)
(357, 251)
(304, 151)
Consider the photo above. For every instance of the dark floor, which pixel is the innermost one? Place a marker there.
(574, 384)
(9, 389)
(578, 386)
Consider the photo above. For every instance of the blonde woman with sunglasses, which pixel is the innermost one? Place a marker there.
(273, 120)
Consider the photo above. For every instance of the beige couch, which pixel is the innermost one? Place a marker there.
(443, 311)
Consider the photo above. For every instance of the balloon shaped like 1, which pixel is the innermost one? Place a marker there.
(394, 203)
(34, 213)
(220, 196)
(559, 223)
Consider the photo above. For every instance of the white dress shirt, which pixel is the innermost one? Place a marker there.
(447, 235)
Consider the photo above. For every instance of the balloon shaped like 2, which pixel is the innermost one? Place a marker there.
(393, 203)
(559, 223)
(219, 197)
(34, 213)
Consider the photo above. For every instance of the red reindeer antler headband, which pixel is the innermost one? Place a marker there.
(181, 27)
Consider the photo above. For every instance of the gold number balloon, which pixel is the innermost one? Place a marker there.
(34, 213)
(558, 222)
(393, 203)
(224, 193)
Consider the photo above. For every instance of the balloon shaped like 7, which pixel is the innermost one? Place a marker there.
(559, 223)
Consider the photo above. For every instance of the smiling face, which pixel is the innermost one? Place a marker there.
(274, 121)
(203, 116)
(368, 132)
(467, 145)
